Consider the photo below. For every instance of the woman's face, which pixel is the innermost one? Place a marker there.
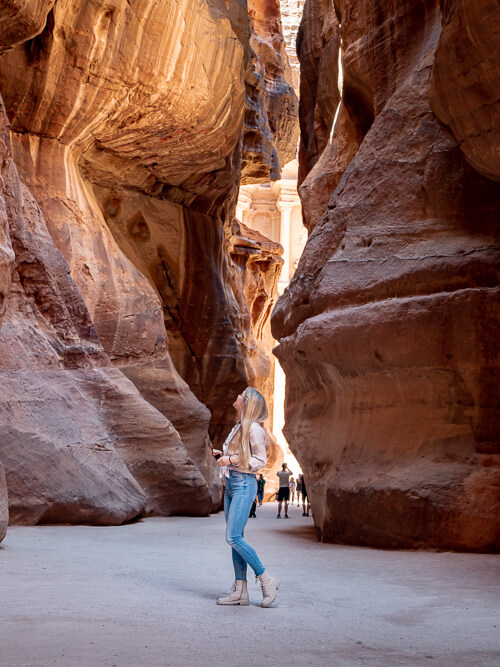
(238, 404)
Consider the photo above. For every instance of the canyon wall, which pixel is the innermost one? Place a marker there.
(122, 345)
(389, 330)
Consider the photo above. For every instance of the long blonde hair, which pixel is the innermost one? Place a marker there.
(254, 409)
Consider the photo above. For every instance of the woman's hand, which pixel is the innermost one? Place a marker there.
(223, 461)
(215, 452)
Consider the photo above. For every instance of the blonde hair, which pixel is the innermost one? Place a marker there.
(254, 409)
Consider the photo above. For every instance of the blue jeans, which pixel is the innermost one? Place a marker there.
(240, 493)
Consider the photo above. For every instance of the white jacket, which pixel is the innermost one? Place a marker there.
(258, 442)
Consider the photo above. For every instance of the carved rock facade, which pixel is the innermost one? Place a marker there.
(389, 330)
(126, 137)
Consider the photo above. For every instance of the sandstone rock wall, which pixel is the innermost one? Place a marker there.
(78, 442)
(389, 330)
(317, 50)
(270, 126)
(126, 131)
(465, 90)
(291, 17)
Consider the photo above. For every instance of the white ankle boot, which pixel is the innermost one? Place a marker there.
(238, 595)
(269, 587)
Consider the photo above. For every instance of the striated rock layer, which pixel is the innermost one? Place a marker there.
(389, 330)
(126, 141)
(77, 440)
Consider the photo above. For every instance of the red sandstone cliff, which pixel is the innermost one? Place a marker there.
(119, 178)
(389, 330)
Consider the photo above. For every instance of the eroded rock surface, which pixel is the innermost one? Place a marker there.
(127, 139)
(270, 130)
(465, 89)
(291, 17)
(317, 50)
(389, 328)
(22, 19)
(77, 438)
(56, 456)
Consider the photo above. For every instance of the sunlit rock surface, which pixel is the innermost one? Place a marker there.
(389, 330)
(127, 138)
(291, 17)
(270, 130)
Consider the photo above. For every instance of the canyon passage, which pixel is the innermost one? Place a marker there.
(135, 306)
(158, 159)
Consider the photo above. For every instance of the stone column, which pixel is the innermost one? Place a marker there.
(287, 200)
(286, 209)
(244, 202)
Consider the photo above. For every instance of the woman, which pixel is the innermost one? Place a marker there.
(244, 453)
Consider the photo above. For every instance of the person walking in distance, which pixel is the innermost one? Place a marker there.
(253, 509)
(305, 499)
(261, 482)
(244, 453)
(284, 489)
(300, 483)
(292, 490)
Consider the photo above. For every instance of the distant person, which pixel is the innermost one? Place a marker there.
(305, 499)
(284, 489)
(300, 486)
(261, 482)
(253, 509)
(292, 490)
(244, 453)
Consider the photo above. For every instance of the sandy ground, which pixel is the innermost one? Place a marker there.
(144, 594)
